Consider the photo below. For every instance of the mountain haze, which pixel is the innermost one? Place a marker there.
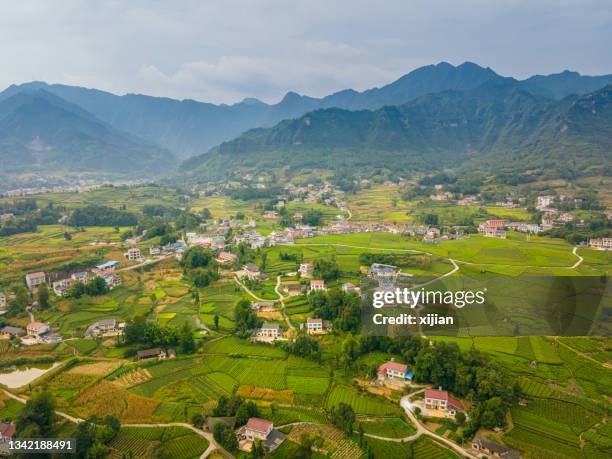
(190, 128)
(40, 132)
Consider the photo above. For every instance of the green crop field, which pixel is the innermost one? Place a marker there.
(390, 427)
(361, 404)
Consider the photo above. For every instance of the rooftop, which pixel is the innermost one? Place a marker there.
(259, 425)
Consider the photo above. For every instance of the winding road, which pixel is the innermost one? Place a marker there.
(212, 443)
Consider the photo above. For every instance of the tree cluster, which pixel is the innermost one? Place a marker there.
(342, 309)
(95, 215)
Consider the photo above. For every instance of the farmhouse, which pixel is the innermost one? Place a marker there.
(108, 265)
(394, 371)
(495, 232)
(494, 449)
(81, 276)
(156, 352)
(262, 305)
(154, 251)
(440, 400)
(9, 332)
(294, 289)
(380, 270)
(105, 327)
(37, 328)
(251, 271)
(306, 269)
(33, 280)
(316, 326)
(2, 301)
(261, 429)
(60, 287)
(133, 254)
(604, 243)
(542, 202)
(350, 288)
(317, 285)
(268, 332)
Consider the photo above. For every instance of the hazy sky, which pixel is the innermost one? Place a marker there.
(223, 51)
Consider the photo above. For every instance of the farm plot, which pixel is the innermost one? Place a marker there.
(361, 404)
(175, 442)
(390, 428)
(268, 373)
(236, 346)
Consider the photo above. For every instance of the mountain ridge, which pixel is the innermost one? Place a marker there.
(496, 121)
(188, 127)
(40, 131)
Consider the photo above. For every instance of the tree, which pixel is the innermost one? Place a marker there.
(67, 236)
(460, 417)
(198, 420)
(85, 437)
(245, 411)
(327, 270)
(197, 257)
(21, 296)
(216, 322)
(226, 436)
(186, 340)
(43, 296)
(37, 418)
(343, 416)
(257, 452)
(244, 317)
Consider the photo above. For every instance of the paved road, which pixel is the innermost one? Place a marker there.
(422, 430)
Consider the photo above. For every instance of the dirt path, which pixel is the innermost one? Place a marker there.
(580, 259)
(581, 354)
(246, 289)
(282, 302)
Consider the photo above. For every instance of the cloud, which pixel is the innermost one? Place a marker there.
(223, 51)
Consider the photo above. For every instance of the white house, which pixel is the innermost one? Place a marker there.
(37, 328)
(268, 332)
(133, 254)
(33, 280)
(2, 300)
(258, 428)
(441, 400)
(394, 371)
(317, 285)
(316, 326)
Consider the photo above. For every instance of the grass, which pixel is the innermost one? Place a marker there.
(390, 428)
(362, 404)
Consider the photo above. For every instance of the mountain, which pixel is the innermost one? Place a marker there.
(188, 127)
(496, 125)
(40, 132)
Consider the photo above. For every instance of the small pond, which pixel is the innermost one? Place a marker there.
(15, 377)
